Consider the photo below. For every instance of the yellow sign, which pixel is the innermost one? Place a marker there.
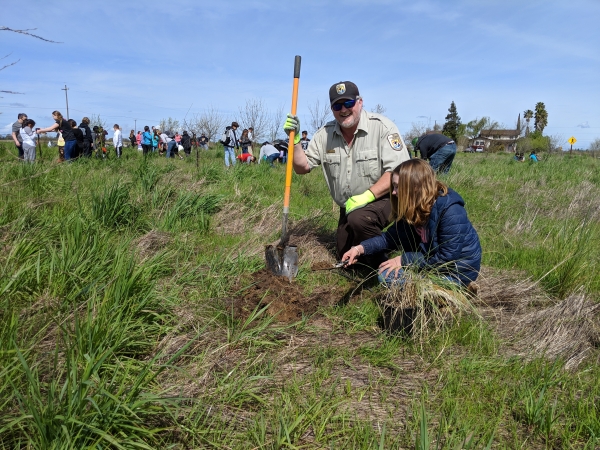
(572, 140)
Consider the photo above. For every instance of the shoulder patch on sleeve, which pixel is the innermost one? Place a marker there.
(395, 141)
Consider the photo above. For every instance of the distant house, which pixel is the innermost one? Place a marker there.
(506, 138)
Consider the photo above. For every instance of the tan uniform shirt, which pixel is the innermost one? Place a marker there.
(350, 170)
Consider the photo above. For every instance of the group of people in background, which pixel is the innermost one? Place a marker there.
(165, 142)
(520, 157)
(242, 148)
(73, 141)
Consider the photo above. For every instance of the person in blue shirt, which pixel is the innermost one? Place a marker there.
(146, 140)
(430, 226)
(533, 156)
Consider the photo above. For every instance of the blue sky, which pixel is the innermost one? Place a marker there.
(154, 59)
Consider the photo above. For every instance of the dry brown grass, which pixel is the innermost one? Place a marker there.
(508, 290)
(422, 306)
(569, 331)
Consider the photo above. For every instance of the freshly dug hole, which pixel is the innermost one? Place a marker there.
(284, 300)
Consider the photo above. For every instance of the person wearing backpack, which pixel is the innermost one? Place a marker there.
(230, 142)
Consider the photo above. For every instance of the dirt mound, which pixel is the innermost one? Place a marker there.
(151, 243)
(284, 300)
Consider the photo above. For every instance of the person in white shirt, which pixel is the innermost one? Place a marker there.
(117, 140)
(268, 153)
(28, 136)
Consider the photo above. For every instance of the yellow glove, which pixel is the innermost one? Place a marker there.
(358, 201)
(292, 123)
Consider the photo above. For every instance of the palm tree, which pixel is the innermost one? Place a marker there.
(541, 117)
(527, 115)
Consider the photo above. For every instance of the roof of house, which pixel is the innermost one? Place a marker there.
(491, 133)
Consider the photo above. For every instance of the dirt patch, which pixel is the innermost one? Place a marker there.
(285, 301)
(321, 265)
(151, 243)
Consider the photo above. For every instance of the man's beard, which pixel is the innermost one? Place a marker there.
(351, 123)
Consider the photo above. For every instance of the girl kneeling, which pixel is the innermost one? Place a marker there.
(430, 227)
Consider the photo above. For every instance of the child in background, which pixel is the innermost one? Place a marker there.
(430, 226)
(117, 140)
(29, 137)
(61, 146)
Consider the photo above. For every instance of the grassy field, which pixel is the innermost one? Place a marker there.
(123, 283)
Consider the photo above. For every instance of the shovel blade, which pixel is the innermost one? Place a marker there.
(282, 261)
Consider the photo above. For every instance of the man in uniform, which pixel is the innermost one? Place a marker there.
(358, 151)
(16, 133)
(438, 149)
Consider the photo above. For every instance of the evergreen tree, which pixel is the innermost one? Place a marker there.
(452, 125)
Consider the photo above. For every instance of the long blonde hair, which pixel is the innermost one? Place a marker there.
(57, 114)
(418, 188)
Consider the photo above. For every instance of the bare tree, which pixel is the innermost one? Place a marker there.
(555, 142)
(210, 122)
(275, 125)
(97, 121)
(416, 130)
(319, 115)
(379, 109)
(170, 125)
(26, 32)
(255, 115)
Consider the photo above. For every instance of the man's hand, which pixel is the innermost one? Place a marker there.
(292, 123)
(358, 201)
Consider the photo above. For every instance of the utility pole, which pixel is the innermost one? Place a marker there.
(135, 125)
(67, 98)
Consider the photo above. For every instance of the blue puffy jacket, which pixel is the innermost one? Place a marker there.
(452, 246)
(147, 138)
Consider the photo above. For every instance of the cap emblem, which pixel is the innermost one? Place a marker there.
(340, 88)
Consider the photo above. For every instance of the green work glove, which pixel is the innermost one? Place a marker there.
(292, 123)
(358, 201)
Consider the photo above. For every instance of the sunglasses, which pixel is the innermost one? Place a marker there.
(347, 104)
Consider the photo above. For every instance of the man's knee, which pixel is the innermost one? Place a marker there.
(360, 220)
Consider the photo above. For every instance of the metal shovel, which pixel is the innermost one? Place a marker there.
(283, 259)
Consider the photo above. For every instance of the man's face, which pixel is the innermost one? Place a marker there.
(304, 135)
(22, 119)
(348, 118)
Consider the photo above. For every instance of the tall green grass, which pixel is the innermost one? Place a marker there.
(114, 337)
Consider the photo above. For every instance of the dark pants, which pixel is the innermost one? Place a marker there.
(87, 149)
(361, 224)
(119, 151)
(146, 148)
(20, 150)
